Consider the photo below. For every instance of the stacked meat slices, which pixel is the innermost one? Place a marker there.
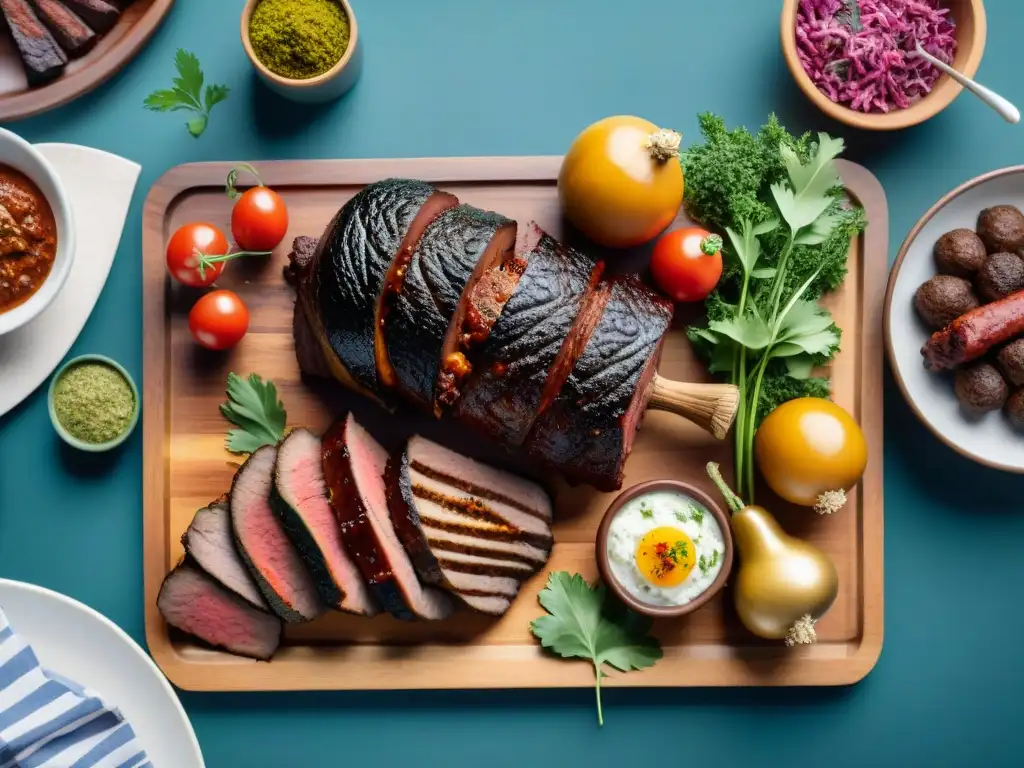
(312, 525)
(409, 293)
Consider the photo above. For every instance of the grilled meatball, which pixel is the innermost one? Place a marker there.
(980, 388)
(1001, 228)
(942, 299)
(1001, 275)
(1014, 409)
(959, 252)
(1011, 361)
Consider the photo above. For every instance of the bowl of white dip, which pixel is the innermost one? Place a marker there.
(664, 548)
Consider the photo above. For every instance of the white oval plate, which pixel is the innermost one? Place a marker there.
(989, 440)
(80, 644)
(30, 354)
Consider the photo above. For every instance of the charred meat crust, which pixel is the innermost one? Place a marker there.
(973, 334)
(502, 396)
(423, 326)
(588, 431)
(98, 14)
(41, 56)
(73, 34)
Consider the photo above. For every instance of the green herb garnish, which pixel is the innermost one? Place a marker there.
(584, 624)
(645, 511)
(696, 514)
(714, 559)
(680, 516)
(781, 202)
(188, 94)
(254, 408)
(702, 563)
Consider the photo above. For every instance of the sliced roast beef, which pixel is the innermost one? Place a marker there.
(489, 604)
(299, 497)
(98, 14)
(363, 252)
(468, 527)
(264, 545)
(209, 542)
(40, 54)
(503, 395)
(353, 464)
(588, 431)
(196, 604)
(424, 326)
(73, 34)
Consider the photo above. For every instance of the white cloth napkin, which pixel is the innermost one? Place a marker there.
(100, 186)
(48, 721)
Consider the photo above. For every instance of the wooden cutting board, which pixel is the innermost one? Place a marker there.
(186, 465)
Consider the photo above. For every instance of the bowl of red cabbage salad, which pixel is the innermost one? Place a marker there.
(860, 53)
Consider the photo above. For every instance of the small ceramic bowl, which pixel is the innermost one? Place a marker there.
(608, 577)
(73, 441)
(330, 85)
(22, 156)
(969, 16)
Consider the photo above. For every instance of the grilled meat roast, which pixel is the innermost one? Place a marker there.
(41, 56)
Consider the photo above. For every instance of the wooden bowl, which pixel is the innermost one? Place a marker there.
(608, 577)
(969, 16)
(330, 85)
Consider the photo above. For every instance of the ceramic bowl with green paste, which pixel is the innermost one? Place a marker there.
(305, 50)
(94, 403)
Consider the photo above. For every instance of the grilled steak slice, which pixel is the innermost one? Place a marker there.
(502, 396)
(196, 604)
(423, 327)
(353, 464)
(41, 56)
(489, 604)
(299, 497)
(470, 528)
(364, 251)
(263, 544)
(98, 14)
(588, 431)
(73, 35)
(209, 542)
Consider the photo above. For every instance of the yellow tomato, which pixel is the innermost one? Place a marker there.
(810, 452)
(621, 183)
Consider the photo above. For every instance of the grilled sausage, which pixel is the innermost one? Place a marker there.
(973, 334)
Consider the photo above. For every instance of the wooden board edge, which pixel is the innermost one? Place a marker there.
(232, 676)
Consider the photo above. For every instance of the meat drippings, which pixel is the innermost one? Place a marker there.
(392, 287)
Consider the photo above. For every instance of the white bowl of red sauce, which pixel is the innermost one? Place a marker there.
(37, 233)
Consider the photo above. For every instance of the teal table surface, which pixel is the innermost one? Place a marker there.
(479, 77)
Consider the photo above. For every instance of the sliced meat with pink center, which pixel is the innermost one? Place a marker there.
(211, 545)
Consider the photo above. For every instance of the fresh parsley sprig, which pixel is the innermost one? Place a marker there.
(583, 624)
(188, 94)
(254, 409)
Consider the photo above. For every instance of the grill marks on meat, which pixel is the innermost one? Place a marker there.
(98, 14)
(196, 604)
(382, 221)
(354, 465)
(589, 430)
(299, 497)
(210, 544)
(41, 56)
(503, 395)
(423, 327)
(73, 34)
(473, 529)
(264, 545)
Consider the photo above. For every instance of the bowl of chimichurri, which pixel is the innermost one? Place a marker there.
(94, 403)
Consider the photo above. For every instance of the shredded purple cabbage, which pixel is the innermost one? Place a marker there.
(867, 64)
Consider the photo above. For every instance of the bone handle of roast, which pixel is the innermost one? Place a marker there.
(710, 406)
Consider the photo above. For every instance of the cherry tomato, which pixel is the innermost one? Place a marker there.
(687, 263)
(259, 220)
(218, 320)
(183, 251)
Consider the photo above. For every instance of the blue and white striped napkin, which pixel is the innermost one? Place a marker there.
(47, 721)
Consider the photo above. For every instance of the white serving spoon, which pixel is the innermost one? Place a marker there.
(1006, 110)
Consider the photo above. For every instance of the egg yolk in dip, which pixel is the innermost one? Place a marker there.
(665, 556)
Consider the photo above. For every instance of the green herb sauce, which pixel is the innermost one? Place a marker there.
(299, 39)
(93, 402)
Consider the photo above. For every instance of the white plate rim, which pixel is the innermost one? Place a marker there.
(890, 352)
(79, 607)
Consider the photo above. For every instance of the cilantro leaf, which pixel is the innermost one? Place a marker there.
(254, 409)
(187, 94)
(749, 331)
(582, 623)
(807, 197)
